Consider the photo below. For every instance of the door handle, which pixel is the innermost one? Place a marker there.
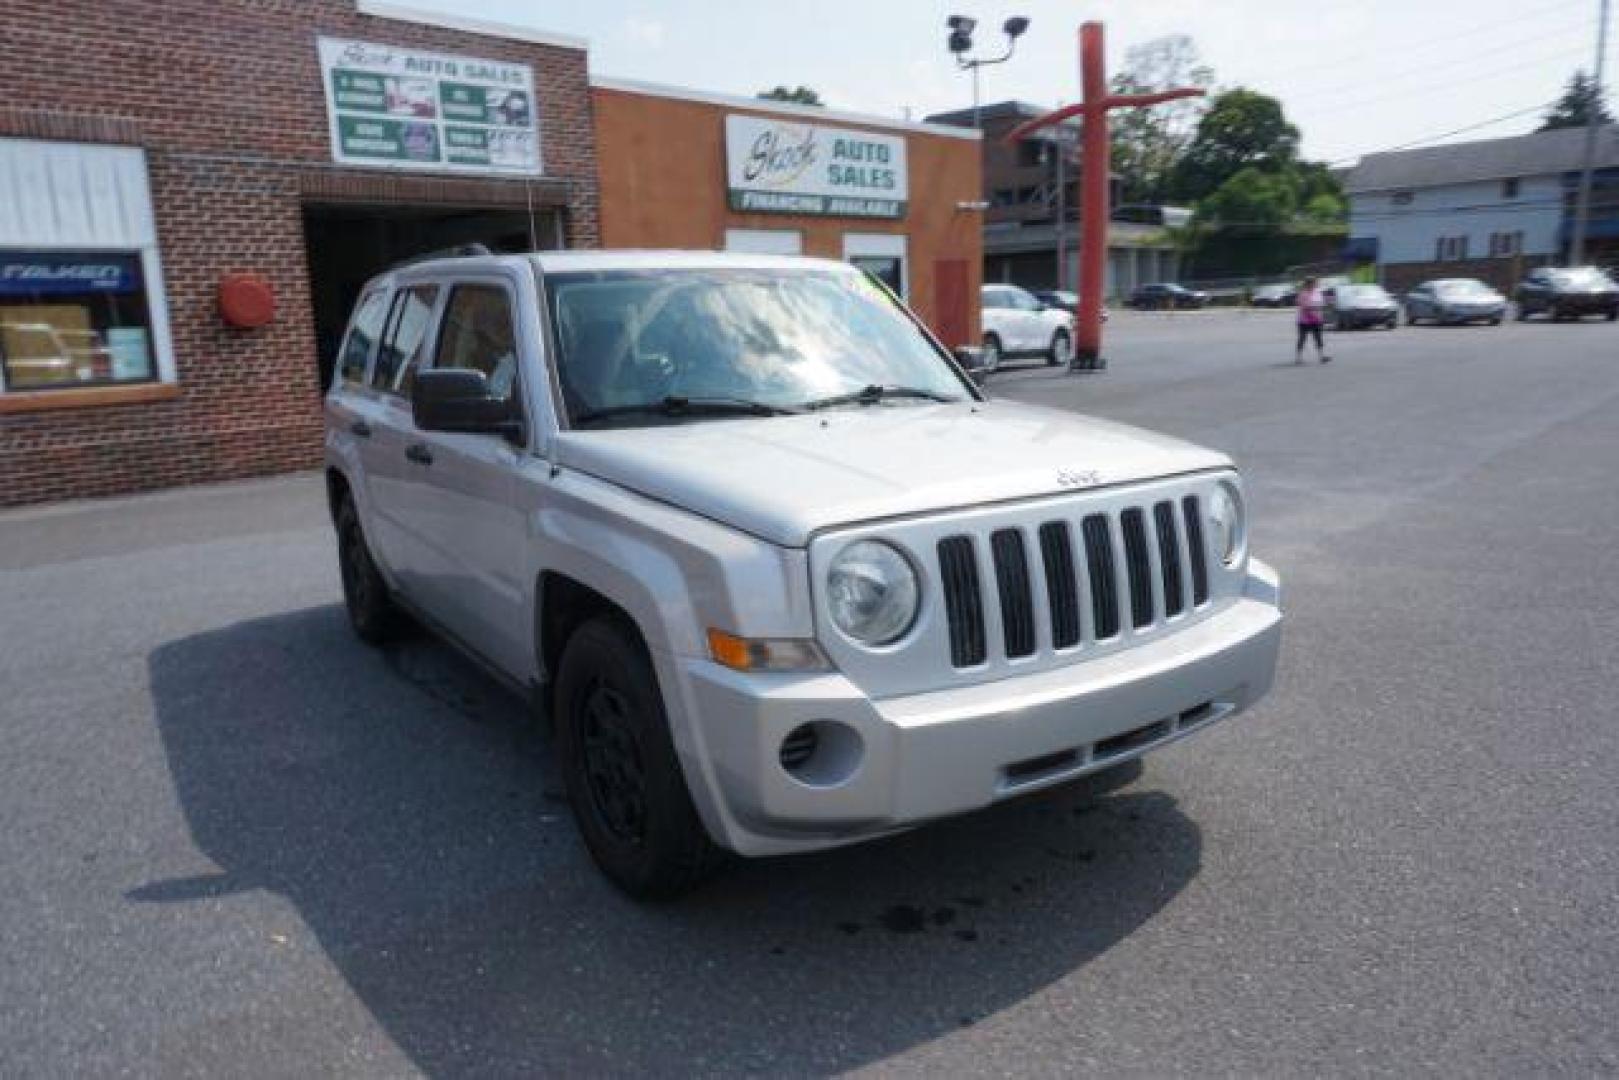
(419, 453)
(361, 429)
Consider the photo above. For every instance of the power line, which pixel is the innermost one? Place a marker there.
(1447, 134)
(1398, 48)
(1451, 83)
(1460, 61)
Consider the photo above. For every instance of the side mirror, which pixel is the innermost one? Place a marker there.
(458, 399)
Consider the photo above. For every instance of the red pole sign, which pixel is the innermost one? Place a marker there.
(1095, 150)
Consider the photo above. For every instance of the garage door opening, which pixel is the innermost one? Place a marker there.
(347, 245)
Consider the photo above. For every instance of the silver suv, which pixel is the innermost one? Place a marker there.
(777, 573)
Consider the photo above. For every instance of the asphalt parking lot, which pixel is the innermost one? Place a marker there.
(237, 841)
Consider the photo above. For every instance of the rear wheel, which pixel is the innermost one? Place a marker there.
(372, 612)
(618, 759)
(1613, 314)
(992, 352)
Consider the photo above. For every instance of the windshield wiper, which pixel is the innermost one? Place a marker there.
(676, 405)
(871, 395)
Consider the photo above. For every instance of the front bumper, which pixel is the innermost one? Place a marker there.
(945, 752)
(1585, 303)
(1356, 317)
(1472, 312)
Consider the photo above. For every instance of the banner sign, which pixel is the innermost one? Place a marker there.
(777, 167)
(37, 273)
(406, 109)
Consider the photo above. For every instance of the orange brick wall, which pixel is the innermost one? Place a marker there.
(661, 169)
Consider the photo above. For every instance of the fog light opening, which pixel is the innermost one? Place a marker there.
(822, 753)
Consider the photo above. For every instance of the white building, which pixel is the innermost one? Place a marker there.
(1479, 209)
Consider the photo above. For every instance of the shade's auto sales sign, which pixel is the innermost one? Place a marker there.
(777, 167)
(398, 108)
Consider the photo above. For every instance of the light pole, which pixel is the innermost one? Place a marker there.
(1582, 202)
(960, 43)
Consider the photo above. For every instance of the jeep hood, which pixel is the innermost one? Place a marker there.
(785, 478)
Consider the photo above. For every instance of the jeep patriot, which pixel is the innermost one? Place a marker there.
(778, 573)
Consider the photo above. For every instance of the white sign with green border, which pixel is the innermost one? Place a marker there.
(775, 166)
(397, 108)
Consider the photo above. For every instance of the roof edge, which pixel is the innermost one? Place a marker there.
(786, 108)
(387, 9)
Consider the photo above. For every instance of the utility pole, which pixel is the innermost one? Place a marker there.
(1582, 204)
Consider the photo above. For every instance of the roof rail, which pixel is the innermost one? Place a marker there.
(459, 251)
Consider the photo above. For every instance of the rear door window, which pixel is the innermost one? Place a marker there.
(408, 323)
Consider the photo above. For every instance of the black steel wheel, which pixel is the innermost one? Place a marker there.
(371, 609)
(618, 759)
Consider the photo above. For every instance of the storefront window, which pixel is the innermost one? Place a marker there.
(73, 319)
(885, 267)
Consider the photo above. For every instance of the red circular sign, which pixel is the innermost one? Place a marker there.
(246, 300)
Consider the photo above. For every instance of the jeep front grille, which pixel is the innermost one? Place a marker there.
(1141, 566)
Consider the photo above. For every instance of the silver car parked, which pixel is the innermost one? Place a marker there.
(1455, 300)
(778, 575)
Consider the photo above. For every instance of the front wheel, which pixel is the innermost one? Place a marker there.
(1062, 349)
(618, 760)
(1410, 319)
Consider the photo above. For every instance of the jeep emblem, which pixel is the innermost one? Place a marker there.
(1078, 478)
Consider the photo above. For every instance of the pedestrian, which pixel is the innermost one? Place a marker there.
(1311, 303)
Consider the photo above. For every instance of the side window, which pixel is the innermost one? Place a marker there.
(407, 327)
(362, 335)
(478, 334)
(992, 299)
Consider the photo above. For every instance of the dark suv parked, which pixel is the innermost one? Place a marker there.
(1568, 292)
(1160, 296)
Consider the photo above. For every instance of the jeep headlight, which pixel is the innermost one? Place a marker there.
(1226, 523)
(872, 592)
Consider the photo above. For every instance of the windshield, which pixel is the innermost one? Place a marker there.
(1587, 277)
(671, 346)
(1463, 288)
(1362, 293)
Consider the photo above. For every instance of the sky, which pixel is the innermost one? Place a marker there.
(1356, 76)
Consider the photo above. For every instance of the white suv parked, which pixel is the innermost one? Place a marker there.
(1017, 323)
(779, 575)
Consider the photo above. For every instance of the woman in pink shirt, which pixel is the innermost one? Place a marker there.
(1311, 303)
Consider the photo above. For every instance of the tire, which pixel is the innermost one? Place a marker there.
(1522, 314)
(992, 353)
(618, 760)
(1612, 315)
(1062, 349)
(1410, 319)
(372, 612)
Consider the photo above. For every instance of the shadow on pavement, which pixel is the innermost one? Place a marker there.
(399, 801)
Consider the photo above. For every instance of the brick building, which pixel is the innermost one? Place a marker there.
(151, 149)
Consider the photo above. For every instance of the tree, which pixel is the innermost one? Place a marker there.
(803, 95)
(1252, 201)
(1148, 142)
(1241, 129)
(1580, 99)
